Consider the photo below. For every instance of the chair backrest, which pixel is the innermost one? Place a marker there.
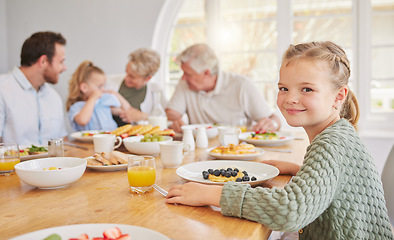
(114, 81)
(388, 181)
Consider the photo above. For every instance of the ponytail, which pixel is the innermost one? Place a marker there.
(350, 110)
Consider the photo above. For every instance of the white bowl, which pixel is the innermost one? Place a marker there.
(134, 145)
(32, 171)
(212, 130)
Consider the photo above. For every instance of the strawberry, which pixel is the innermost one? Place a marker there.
(83, 236)
(124, 237)
(124, 135)
(112, 233)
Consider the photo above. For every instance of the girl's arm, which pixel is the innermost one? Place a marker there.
(195, 194)
(84, 116)
(285, 167)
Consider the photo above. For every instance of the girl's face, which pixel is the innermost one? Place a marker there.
(307, 97)
(95, 82)
(133, 80)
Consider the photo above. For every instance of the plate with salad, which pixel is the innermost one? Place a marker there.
(268, 139)
(87, 136)
(32, 152)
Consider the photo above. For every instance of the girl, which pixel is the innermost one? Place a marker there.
(89, 106)
(337, 192)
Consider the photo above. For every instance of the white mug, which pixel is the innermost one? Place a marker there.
(229, 135)
(171, 153)
(105, 142)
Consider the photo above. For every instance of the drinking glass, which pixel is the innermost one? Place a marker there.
(9, 157)
(141, 172)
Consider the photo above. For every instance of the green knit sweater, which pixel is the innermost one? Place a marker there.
(337, 194)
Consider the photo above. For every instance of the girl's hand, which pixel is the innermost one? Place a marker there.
(96, 94)
(195, 194)
(285, 168)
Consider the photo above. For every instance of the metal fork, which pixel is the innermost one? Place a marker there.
(160, 190)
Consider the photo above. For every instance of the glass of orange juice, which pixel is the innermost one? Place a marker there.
(9, 157)
(141, 172)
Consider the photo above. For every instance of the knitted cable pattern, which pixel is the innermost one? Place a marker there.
(337, 194)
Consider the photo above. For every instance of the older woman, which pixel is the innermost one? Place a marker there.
(137, 87)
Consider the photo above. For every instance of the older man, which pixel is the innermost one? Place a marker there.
(31, 111)
(209, 95)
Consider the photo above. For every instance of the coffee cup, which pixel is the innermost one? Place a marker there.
(106, 142)
(229, 135)
(171, 153)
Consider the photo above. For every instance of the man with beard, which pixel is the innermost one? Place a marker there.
(31, 111)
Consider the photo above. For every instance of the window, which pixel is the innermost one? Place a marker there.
(382, 57)
(249, 37)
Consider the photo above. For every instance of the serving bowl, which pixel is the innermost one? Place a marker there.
(134, 145)
(69, 170)
(212, 130)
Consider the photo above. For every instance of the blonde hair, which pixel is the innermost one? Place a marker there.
(335, 58)
(81, 75)
(200, 58)
(145, 62)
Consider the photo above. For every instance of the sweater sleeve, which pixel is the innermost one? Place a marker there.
(299, 203)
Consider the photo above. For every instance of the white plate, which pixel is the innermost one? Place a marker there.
(78, 135)
(193, 171)
(35, 156)
(109, 168)
(93, 230)
(268, 143)
(249, 156)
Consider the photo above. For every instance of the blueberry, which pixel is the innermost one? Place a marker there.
(245, 178)
(234, 173)
(210, 171)
(227, 174)
(236, 169)
(245, 173)
(216, 172)
(253, 178)
(205, 174)
(223, 172)
(238, 179)
(229, 169)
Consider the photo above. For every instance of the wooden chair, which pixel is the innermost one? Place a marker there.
(388, 180)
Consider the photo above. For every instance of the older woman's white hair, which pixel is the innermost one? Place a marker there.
(145, 62)
(200, 58)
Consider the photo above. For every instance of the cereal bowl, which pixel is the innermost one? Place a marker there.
(37, 172)
(135, 146)
(212, 130)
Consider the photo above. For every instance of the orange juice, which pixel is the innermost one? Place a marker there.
(243, 128)
(141, 176)
(8, 164)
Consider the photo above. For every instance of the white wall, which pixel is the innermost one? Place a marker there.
(103, 31)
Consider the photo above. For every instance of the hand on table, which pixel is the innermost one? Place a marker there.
(177, 124)
(266, 124)
(195, 194)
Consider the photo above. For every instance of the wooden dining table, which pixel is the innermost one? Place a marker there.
(105, 197)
